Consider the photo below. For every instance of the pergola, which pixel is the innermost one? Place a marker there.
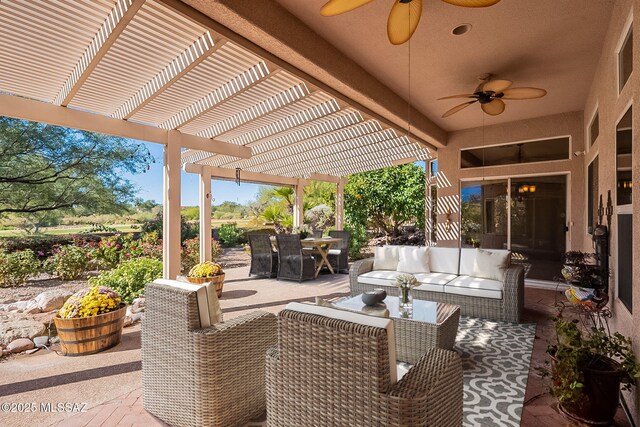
(159, 71)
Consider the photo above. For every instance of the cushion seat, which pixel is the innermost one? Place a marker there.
(475, 286)
(334, 252)
(379, 277)
(428, 281)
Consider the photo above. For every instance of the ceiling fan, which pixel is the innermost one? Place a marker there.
(490, 95)
(404, 16)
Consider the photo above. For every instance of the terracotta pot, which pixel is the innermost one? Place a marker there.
(218, 282)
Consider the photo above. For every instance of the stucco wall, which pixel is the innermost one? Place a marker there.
(566, 124)
(611, 107)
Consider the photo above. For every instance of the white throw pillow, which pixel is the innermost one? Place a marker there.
(414, 259)
(491, 265)
(386, 258)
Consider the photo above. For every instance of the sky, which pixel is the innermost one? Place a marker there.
(150, 184)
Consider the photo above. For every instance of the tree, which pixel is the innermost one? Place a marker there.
(50, 168)
(320, 193)
(386, 198)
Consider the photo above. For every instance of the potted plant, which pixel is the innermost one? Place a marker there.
(90, 321)
(589, 365)
(207, 271)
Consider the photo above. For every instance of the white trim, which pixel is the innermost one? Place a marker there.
(586, 191)
(525, 175)
(545, 284)
(522, 141)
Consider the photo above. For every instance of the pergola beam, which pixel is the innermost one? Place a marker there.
(121, 14)
(36, 111)
(245, 176)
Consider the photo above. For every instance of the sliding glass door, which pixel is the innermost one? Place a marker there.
(526, 215)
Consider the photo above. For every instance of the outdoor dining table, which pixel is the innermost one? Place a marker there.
(320, 246)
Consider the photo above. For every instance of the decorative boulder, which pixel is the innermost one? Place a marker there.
(12, 328)
(52, 300)
(20, 345)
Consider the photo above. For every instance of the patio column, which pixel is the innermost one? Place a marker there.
(205, 216)
(298, 210)
(171, 207)
(340, 204)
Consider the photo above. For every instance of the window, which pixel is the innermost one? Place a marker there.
(592, 194)
(433, 168)
(521, 152)
(624, 141)
(594, 129)
(625, 60)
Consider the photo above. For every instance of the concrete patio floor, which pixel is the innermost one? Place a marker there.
(108, 385)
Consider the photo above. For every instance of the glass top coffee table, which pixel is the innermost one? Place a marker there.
(430, 324)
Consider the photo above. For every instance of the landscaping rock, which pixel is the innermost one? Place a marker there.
(127, 321)
(137, 317)
(20, 345)
(13, 327)
(32, 308)
(33, 350)
(41, 341)
(45, 318)
(53, 299)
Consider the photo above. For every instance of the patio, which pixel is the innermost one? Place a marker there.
(278, 95)
(114, 376)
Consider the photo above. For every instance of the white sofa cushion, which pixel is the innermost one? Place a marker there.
(379, 277)
(491, 264)
(435, 278)
(386, 258)
(413, 259)
(208, 304)
(361, 319)
(444, 260)
(334, 252)
(475, 287)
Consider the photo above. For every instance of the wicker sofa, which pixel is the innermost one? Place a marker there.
(335, 368)
(450, 276)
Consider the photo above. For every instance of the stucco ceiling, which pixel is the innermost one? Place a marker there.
(552, 44)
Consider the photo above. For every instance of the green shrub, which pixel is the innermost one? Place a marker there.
(190, 254)
(188, 230)
(17, 267)
(229, 234)
(41, 245)
(68, 262)
(130, 277)
(359, 238)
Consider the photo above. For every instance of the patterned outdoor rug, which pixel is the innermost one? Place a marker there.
(495, 361)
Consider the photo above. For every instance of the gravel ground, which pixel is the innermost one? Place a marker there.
(230, 258)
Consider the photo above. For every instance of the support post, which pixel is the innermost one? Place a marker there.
(340, 204)
(298, 210)
(171, 207)
(205, 216)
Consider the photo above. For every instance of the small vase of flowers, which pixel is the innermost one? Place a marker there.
(406, 282)
(205, 272)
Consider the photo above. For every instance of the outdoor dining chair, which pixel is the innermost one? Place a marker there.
(339, 256)
(293, 263)
(264, 261)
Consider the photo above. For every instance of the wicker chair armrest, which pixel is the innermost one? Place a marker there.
(357, 268)
(268, 321)
(438, 371)
(435, 381)
(513, 292)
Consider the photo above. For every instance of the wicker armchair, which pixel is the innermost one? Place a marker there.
(293, 264)
(339, 256)
(264, 261)
(331, 372)
(193, 376)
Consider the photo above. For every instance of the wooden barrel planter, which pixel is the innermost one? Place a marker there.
(89, 335)
(217, 281)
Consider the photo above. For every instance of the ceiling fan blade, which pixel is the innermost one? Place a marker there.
(524, 93)
(457, 108)
(336, 7)
(472, 3)
(403, 20)
(494, 107)
(497, 86)
(468, 95)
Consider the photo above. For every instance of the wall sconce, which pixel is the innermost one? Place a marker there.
(627, 185)
(579, 153)
(526, 188)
